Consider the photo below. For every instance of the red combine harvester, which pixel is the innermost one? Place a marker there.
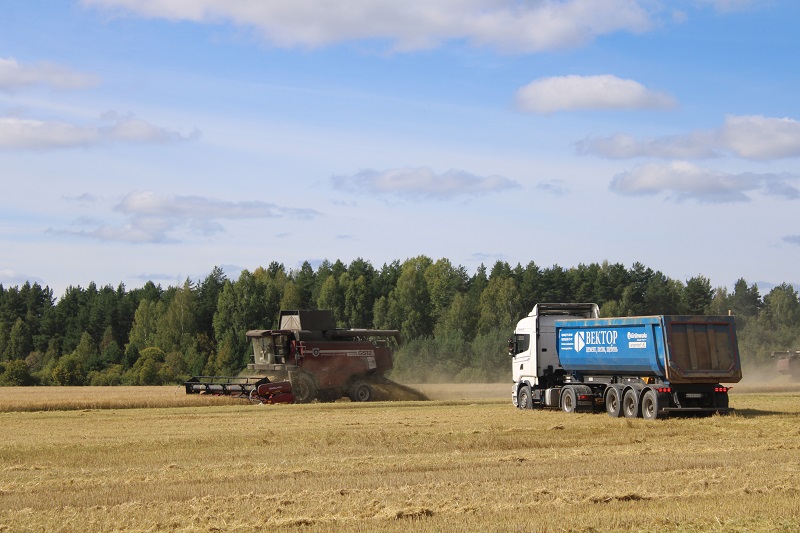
(788, 363)
(308, 358)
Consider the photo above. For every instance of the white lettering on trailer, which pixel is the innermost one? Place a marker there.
(597, 341)
(637, 340)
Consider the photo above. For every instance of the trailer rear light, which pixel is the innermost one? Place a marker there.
(720, 389)
(666, 390)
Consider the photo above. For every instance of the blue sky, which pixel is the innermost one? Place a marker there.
(154, 139)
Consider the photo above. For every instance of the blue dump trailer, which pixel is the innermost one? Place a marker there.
(566, 357)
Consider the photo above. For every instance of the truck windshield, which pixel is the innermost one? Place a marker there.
(522, 342)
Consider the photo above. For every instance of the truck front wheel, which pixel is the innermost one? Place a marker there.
(524, 400)
(650, 405)
(569, 400)
(630, 404)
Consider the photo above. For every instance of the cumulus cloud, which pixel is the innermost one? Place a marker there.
(422, 182)
(693, 146)
(155, 218)
(14, 75)
(409, 25)
(34, 134)
(12, 278)
(758, 137)
(553, 187)
(573, 93)
(749, 137)
(725, 6)
(681, 180)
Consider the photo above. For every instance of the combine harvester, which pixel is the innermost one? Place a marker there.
(788, 363)
(309, 359)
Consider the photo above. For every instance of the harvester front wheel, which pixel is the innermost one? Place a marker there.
(304, 389)
(360, 391)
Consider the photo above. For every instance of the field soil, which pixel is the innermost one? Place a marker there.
(464, 461)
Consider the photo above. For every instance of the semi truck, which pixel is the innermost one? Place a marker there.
(564, 356)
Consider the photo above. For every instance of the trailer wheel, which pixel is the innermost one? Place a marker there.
(304, 389)
(569, 400)
(613, 403)
(524, 400)
(630, 404)
(650, 405)
(360, 391)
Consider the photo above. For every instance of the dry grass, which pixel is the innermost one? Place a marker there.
(78, 398)
(446, 465)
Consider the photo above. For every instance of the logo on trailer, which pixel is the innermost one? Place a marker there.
(579, 341)
(315, 352)
(596, 341)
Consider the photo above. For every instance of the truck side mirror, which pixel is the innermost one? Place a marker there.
(512, 347)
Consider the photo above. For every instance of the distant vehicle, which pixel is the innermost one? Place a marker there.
(565, 357)
(313, 360)
(788, 363)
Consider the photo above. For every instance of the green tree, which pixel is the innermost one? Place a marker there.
(444, 282)
(331, 297)
(697, 296)
(70, 370)
(409, 303)
(500, 306)
(20, 343)
(16, 373)
(145, 324)
(357, 301)
(86, 352)
(177, 326)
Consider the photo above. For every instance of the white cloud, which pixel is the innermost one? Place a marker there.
(12, 278)
(748, 137)
(156, 218)
(758, 137)
(572, 93)
(681, 180)
(422, 182)
(696, 145)
(725, 6)
(553, 187)
(412, 24)
(16, 76)
(34, 134)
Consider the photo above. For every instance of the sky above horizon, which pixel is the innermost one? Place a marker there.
(155, 139)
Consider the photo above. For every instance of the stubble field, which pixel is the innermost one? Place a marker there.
(151, 459)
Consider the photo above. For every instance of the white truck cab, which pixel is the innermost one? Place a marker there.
(533, 347)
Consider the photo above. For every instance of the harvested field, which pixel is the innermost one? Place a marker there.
(450, 464)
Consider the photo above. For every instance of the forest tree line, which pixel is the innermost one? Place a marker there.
(453, 324)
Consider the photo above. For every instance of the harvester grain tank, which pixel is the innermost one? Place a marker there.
(566, 357)
(308, 358)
